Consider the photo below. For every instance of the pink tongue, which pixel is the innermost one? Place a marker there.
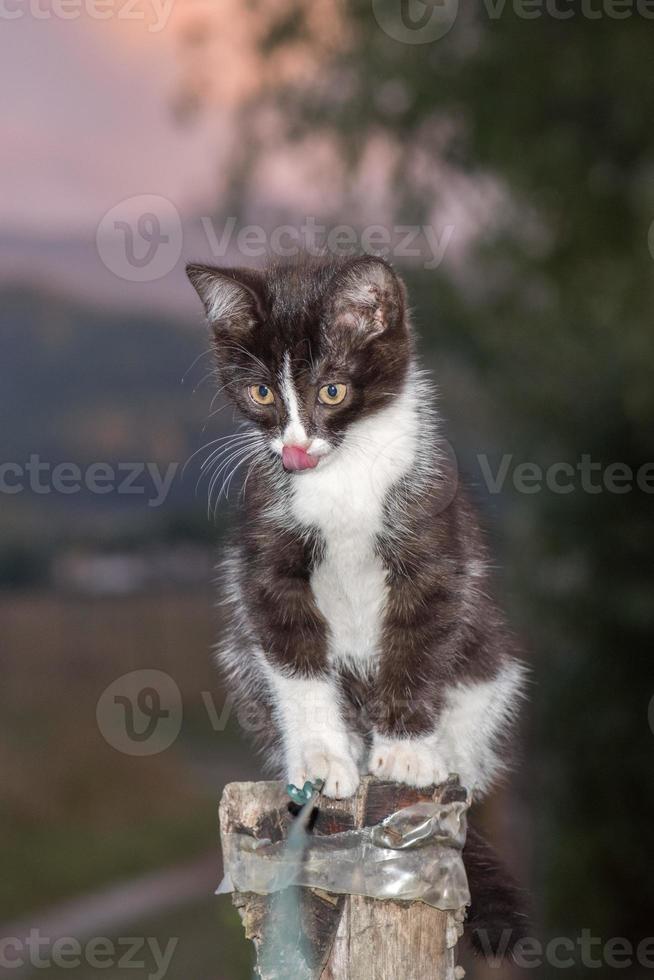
(295, 458)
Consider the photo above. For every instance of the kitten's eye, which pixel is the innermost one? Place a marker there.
(332, 394)
(261, 394)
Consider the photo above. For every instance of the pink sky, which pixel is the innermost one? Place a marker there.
(85, 122)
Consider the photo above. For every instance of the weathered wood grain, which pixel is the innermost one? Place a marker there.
(347, 937)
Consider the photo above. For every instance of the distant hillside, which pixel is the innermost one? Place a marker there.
(82, 387)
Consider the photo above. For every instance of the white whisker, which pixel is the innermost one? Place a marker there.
(235, 461)
(222, 457)
(241, 440)
(194, 362)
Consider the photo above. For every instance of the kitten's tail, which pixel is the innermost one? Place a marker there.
(496, 917)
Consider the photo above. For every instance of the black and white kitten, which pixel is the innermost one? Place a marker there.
(357, 589)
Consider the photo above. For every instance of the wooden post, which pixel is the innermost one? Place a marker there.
(349, 937)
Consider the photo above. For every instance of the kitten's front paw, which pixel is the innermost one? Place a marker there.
(339, 772)
(405, 760)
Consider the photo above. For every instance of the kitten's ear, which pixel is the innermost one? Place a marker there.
(369, 297)
(232, 297)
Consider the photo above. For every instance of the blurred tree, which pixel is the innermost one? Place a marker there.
(543, 122)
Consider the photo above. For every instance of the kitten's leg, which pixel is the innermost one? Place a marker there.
(405, 745)
(292, 636)
(317, 744)
(474, 720)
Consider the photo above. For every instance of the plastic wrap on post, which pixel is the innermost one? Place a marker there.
(415, 854)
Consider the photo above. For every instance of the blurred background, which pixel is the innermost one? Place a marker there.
(501, 155)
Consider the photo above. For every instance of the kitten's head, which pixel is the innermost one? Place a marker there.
(306, 350)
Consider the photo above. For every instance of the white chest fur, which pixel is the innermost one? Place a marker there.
(349, 586)
(344, 499)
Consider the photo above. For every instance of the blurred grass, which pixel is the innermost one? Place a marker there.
(76, 813)
(42, 864)
(210, 946)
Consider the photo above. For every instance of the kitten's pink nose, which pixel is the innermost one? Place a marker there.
(297, 458)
